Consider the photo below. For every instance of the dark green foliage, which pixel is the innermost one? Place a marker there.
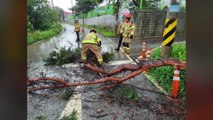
(164, 75)
(29, 25)
(72, 116)
(129, 93)
(63, 56)
(68, 55)
(42, 20)
(108, 56)
(68, 93)
(41, 15)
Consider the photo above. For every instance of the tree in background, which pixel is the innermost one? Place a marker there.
(84, 6)
(29, 25)
(41, 15)
(147, 4)
(60, 12)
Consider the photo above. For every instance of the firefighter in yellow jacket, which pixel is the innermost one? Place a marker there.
(128, 29)
(92, 42)
(77, 29)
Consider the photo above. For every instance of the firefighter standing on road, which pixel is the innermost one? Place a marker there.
(120, 34)
(92, 42)
(77, 29)
(128, 30)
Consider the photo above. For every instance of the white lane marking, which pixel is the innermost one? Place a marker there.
(73, 103)
(71, 65)
(119, 62)
(132, 61)
(109, 39)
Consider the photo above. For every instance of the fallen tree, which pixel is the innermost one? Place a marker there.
(114, 81)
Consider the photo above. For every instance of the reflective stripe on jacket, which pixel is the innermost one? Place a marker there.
(120, 28)
(128, 29)
(91, 38)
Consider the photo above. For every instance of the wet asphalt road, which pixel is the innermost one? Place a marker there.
(38, 51)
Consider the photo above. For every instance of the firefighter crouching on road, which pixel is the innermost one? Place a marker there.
(128, 30)
(77, 29)
(92, 42)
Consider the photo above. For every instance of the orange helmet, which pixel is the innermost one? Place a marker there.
(128, 15)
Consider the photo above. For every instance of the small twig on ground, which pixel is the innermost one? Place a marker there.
(99, 116)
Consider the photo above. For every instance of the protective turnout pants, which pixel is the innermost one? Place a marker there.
(126, 45)
(95, 49)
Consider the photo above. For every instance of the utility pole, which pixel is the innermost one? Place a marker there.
(71, 4)
(117, 10)
(52, 4)
(170, 29)
(83, 18)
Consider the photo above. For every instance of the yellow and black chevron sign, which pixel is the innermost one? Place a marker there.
(169, 32)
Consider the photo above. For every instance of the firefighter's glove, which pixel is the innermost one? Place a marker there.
(99, 48)
(131, 36)
(99, 44)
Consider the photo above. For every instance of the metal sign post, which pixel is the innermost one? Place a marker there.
(170, 29)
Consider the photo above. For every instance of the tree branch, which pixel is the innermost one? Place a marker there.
(136, 70)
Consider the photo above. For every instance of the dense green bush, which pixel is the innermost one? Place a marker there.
(63, 56)
(164, 75)
(108, 56)
(68, 55)
(29, 25)
(41, 15)
(42, 21)
(38, 35)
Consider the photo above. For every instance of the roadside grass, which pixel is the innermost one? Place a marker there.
(164, 75)
(129, 93)
(68, 93)
(72, 116)
(41, 117)
(106, 31)
(36, 36)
